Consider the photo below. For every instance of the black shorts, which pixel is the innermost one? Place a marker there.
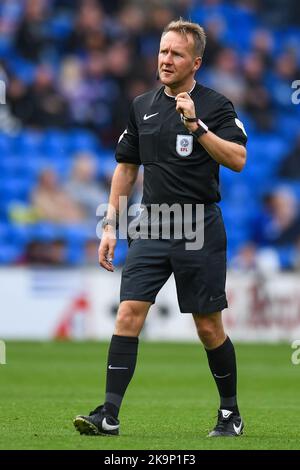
(200, 275)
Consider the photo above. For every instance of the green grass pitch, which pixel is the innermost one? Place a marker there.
(170, 404)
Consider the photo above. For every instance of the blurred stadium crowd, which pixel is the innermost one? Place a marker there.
(71, 69)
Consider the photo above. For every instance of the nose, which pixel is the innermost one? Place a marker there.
(168, 58)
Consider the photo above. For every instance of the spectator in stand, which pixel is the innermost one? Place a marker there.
(51, 253)
(262, 43)
(132, 20)
(280, 224)
(83, 187)
(33, 35)
(52, 203)
(290, 165)
(245, 259)
(214, 46)
(225, 76)
(45, 105)
(72, 88)
(286, 71)
(8, 121)
(296, 256)
(90, 26)
(257, 99)
(90, 252)
(251, 259)
(18, 99)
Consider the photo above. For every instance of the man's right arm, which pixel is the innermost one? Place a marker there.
(127, 156)
(122, 183)
(123, 180)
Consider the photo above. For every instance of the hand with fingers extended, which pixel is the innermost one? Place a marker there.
(107, 248)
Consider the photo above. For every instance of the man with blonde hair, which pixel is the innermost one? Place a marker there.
(181, 133)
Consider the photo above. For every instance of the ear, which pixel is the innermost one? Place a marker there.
(197, 63)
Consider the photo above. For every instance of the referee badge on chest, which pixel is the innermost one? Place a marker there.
(184, 145)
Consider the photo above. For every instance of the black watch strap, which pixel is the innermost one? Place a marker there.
(201, 129)
(187, 119)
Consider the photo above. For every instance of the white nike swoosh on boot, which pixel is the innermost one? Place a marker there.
(238, 428)
(108, 427)
(226, 413)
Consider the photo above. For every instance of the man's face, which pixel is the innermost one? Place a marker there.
(176, 59)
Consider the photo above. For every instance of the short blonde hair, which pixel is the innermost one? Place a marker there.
(186, 27)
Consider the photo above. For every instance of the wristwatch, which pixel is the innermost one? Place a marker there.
(112, 222)
(201, 129)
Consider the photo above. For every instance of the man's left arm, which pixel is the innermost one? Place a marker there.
(225, 152)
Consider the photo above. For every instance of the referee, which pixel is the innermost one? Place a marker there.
(181, 133)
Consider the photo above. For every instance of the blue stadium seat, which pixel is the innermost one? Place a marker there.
(236, 218)
(10, 254)
(238, 235)
(203, 13)
(288, 125)
(45, 231)
(34, 166)
(229, 178)
(267, 147)
(56, 142)
(107, 165)
(20, 234)
(6, 48)
(22, 68)
(120, 252)
(10, 165)
(76, 234)
(248, 122)
(81, 139)
(4, 232)
(61, 166)
(29, 140)
(75, 255)
(286, 256)
(61, 26)
(15, 189)
(6, 144)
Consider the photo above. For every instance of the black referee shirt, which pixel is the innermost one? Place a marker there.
(177, 169)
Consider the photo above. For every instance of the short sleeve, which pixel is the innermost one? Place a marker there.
(228, 126)
(127, 150)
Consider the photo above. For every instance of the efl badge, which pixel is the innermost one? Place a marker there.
(184, 145)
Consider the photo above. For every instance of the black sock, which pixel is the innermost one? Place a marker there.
(222, 364)
(121, 363)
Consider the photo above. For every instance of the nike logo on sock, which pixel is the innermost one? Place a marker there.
(111, 367)
(222, 376)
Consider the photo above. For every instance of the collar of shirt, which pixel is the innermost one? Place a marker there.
(189, 92)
